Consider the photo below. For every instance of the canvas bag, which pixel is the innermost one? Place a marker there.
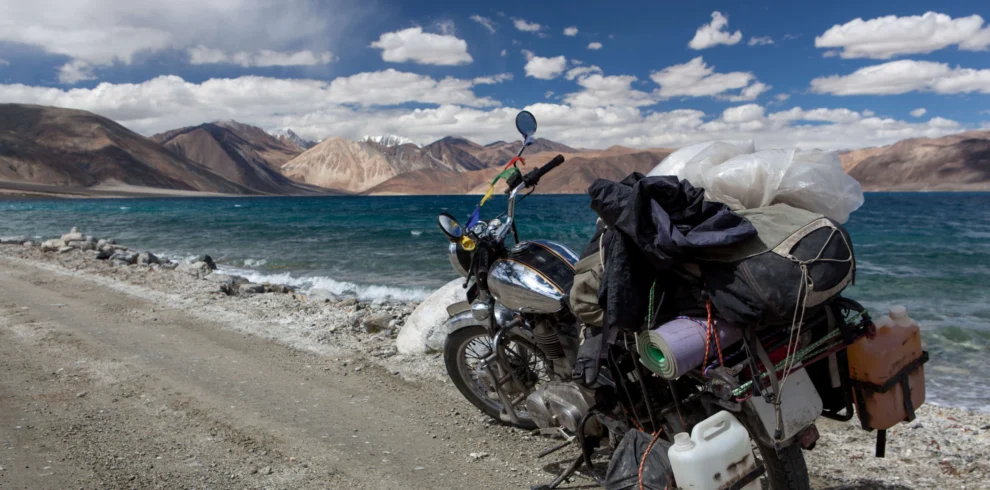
(799, 261)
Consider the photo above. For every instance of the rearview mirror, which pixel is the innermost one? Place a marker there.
(450, 227)
(526, 123)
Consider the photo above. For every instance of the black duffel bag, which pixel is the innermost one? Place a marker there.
(797, 263)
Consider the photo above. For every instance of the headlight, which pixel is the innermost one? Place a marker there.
(460, 259)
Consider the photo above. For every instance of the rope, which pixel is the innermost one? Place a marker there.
(709, 331)
(642, 462)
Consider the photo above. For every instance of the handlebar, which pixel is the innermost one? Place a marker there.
(528, 180)
(534, 176)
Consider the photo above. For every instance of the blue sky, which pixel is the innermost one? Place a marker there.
(835, 75)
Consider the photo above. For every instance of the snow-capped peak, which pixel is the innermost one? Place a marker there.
(286, 134)
(387, 140)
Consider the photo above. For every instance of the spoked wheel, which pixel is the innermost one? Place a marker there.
(785, 470)
(466, 354)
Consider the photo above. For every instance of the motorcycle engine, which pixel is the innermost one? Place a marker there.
(558, 404)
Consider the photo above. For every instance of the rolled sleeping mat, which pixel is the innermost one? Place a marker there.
(678, 346)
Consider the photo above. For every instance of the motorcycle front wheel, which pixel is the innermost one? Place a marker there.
(464, 352)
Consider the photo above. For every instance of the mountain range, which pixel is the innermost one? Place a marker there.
(48, 150)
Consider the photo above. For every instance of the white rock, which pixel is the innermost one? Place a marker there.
(196, 269)
(423, 330)
(52, 245)
(74, 236)
(66, 249)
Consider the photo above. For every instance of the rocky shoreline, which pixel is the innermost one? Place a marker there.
(944, 448)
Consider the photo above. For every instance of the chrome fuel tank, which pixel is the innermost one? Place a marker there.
(533, 277)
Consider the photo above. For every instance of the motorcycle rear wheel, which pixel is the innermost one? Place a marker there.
(785, 470)
(455, 355)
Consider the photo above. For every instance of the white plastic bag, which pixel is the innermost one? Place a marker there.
(690, 162)
(733, 173)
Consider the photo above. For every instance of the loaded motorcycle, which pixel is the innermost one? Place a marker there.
(513, 343)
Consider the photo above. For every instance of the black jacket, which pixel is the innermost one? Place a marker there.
(654, 224)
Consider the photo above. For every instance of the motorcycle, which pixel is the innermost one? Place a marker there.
(513, 343)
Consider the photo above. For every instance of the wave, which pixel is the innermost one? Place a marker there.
(364, 292)
(255, 262)
(416, 232)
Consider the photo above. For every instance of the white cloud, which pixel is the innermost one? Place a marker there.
(595, 46)
(713, 34)
(604, 91)
(570, 31)
(903, 76)
(548, 94)
(484, 21)
(425, 48)
(504, 53)
(4, 62)
(697, 79)
(202, 55)
(526, 26)
(544, 68)
(918, 112)
(75, 71)
(869, 113)
(314, 110)
(884, 37)
(491, 80)
(580, 71)
(760, 41)
(781, 97)
(103, 32)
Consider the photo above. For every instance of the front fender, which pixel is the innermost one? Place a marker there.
(461, 317)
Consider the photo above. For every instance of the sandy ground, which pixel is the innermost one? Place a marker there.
(139, 377)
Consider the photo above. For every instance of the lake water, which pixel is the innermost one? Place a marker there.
(928, 251)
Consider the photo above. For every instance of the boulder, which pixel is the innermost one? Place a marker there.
(128, 258)
(66, 249)
(348, 302)
(317, 294)
(104, 253)
(81, 245)
(147, 258)
(196, 269)
(91, 239)
(13, 240)
(73, 236)
(250, 288)
(169, 265)
(52, 245)
(29, 244)
(376, 322)
(101, 243)
(278, 288)
(208, 260)
(423, 330)
(118, 247)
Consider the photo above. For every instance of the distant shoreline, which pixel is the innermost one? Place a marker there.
(16, 191)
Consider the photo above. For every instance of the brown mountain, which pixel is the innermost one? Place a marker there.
(955, 162)
(77, 149)
(572, 177)
(239, 152)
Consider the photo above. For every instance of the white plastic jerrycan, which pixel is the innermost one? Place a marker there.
(717, 453)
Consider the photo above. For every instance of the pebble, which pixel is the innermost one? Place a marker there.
(81, 394)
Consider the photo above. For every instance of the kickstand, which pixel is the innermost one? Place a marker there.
(563, 476)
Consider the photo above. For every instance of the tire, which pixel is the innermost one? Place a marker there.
(785, 470)
(452, 354)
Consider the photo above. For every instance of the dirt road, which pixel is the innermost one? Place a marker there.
(104, 389)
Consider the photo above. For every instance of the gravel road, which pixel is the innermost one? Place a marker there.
(122, 377)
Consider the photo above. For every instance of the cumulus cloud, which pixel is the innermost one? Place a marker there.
(918, 112)
(781, 97)
(603, 91)
(760, 41)
(570, 31)
(425, 48)
(202, 55)
(903, 76)
(486, 22)
(544, 68)
(4, 62)
(75, 71)
(884, 37)
(595, 46)
(715, 33)
(696, 79)
(104, 32)
(526, 26)
(346, 107)
(580, 71)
